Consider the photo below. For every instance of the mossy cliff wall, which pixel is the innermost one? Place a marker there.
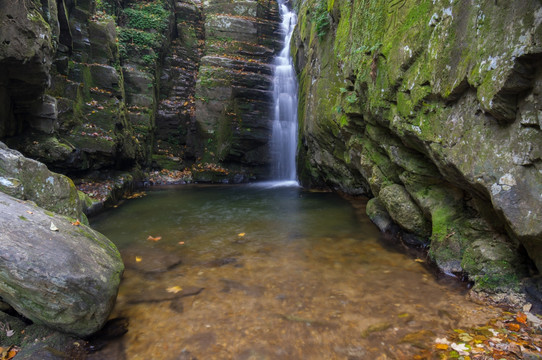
(434, 109)
(63, 87)
(91, 85)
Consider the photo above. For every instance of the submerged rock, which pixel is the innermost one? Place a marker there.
(61, 275)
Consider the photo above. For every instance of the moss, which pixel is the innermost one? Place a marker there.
(23, 218)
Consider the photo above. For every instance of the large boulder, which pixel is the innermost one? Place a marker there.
(28, 179)
(54, 272)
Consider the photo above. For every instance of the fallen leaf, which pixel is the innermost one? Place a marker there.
(513, 327)
(181, 242)
(419, 260)
(461, 348)
(10, 333)
(521, 318)
(241, 234)
(441, 346)
(174, 289)
(76, 223)
(53, 227)
(154, 238)
(138, 258)
(30, 212)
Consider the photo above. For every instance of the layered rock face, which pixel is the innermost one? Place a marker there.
(234, 87)
(103, 78)
(434, 108)
(63, 96)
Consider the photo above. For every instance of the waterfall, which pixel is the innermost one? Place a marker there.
(284, 136)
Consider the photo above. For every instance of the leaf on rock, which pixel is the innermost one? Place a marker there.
(76, 223)
(151, 238)
(521, 318)
(53, 227)
(30, 212)
(174, 289)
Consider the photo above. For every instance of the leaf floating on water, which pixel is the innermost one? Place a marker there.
(138, 258)
(151, 238)
(53, 227)
(419, 260)
(174, 289)
(241, 234)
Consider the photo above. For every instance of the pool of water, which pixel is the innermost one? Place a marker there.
(271, 272)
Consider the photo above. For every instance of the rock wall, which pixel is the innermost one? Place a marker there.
(103, 82)
(234, 88)
(63, 97)
(434, 109)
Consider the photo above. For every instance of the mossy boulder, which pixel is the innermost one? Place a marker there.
(404, 210)
(29, 179)
(55, 273)
(493, 264)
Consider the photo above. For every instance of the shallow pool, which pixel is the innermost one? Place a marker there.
(271, 272)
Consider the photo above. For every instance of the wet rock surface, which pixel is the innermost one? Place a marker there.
(54, 272)
(418, 96)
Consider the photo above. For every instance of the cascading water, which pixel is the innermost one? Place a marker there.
(284, 136)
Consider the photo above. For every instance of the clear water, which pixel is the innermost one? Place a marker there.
(309, 279)
(284, 134)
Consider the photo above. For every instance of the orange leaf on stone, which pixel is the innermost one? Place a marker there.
(521, 318)
(513, 327)
(151, 238)
(76, 223)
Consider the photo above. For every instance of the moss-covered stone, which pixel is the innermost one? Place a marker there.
(418, 94)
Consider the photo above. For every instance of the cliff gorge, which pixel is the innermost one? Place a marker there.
(99, 85)
(434, 109)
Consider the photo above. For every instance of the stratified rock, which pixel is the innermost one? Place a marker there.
(63, 276)
(28, 179)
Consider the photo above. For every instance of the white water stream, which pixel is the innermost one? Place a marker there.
(284, 136)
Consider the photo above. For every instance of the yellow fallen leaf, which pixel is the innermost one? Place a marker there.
(441, 346)
(174, 289)
(241, 234)
(419, 260)
(138, 258)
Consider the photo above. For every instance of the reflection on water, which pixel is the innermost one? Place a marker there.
(270, 272)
